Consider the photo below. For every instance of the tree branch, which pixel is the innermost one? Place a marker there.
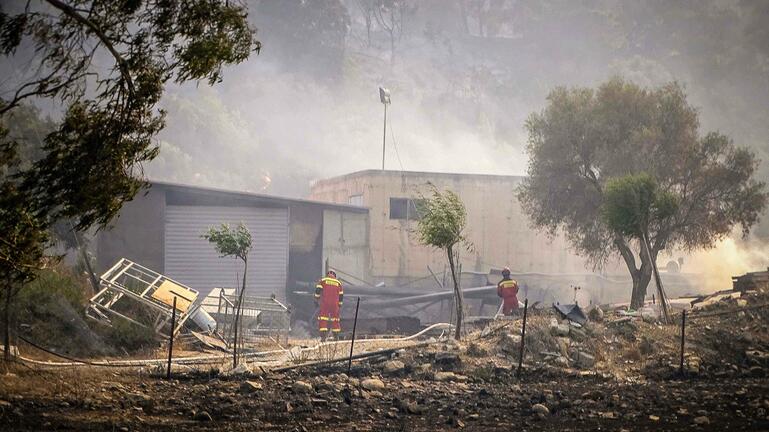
(73, 13)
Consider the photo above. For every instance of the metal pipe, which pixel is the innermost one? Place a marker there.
(683, 341)
(171, 340)
(523, 337)
(352, 341)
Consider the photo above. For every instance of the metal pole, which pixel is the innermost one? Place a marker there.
(171, 341)
(384, 136)
(352, 341)
(523, 337)
(683, 341)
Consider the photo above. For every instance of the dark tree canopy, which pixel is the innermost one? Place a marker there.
(586, 137)
(107, 63)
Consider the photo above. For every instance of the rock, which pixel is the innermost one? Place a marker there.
(654, 418)
(742, 303)
(301, 387)
(372, 384)
(394, 367)
(540, 409)
(241, 369)
(577, 334)
(202, 416)
(250, 386)
(595, 314)
(701, 420)
(649, 314)
(646, 346)
(447, 360)
(557, 329)
(757, 372)
(448, 376)
(583, 359)
(510, 343)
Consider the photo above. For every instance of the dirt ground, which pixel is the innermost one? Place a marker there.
(106, 399)
(614, 373)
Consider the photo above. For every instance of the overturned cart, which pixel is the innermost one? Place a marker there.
(144, 297)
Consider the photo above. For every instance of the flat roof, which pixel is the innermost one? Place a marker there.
(397, 173)
(256, 197)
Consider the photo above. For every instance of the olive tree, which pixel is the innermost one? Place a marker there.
(236, 243)
(633, 206)
(585, 137)
(441, 225)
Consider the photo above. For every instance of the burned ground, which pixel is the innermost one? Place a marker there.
(614, 373)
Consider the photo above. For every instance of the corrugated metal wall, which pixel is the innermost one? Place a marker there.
(192, 260)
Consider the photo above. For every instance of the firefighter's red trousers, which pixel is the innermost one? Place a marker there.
(328, 317)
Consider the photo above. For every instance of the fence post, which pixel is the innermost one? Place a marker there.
(683, 341)
(171, 341)
(352, 342)
(523, 337)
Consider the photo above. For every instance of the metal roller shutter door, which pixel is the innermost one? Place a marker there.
(191, 260)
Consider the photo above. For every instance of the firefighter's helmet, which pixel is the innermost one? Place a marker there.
(331, 273)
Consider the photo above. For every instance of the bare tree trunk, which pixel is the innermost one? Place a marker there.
(657, 280)
(457, 295)
(641, 278)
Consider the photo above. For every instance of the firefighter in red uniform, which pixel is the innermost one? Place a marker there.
(507, 288)
(328, 292)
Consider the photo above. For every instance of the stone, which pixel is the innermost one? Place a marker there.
(557, 329)
(447, 360)
(250, 386)
(577, 334)
(372, 384)
(742, 303)
(445, 376)
(241, 369)
(583, 359)
(540, 409)
(394, 367)
(701, 420)
(595, 314)
(510, 343)
(202, 416)
(654, 418)
(301, 387)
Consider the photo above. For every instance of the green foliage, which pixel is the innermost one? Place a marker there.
(129, 336)
(56, 285)
(443, 220)
(84, 167)
(633, 203)
(235, 242)
(586, 137)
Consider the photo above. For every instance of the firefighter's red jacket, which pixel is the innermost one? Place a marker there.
(508, 290)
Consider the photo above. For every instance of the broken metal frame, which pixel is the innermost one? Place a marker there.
(129, 281)
(260, 317)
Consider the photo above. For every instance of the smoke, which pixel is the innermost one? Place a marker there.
(730, 257)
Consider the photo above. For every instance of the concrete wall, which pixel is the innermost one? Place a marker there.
(496, 227)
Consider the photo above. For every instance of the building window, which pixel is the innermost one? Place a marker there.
(406, 208)
(356, 200)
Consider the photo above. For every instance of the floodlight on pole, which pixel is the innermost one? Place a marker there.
(384, 97)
